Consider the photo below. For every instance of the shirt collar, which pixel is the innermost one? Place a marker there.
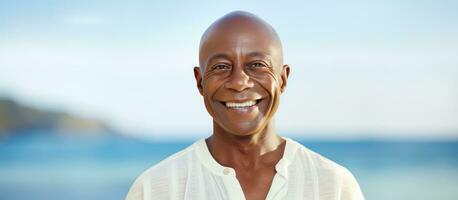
(209, 162)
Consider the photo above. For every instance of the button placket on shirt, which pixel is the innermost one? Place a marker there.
(232, 184)
(279, 184)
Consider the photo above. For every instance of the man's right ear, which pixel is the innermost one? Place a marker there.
(198, 76)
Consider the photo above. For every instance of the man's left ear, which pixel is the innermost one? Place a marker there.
(284, 77)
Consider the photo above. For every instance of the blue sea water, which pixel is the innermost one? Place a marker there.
(48, 166)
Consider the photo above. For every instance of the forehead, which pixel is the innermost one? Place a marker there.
(242, 37)
(238, 44)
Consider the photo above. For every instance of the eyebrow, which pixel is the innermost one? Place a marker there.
(258, 54)
(227, 57)
(217, 56)
(261, 55)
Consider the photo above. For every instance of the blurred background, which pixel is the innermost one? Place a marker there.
(92, 93)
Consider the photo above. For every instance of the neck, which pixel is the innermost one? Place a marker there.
(261, 148)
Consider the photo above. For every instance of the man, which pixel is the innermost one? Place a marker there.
(241, 77)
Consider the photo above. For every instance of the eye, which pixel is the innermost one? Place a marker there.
(221, 66)
(258, 64)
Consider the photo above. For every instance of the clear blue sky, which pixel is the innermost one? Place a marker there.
(384, 69)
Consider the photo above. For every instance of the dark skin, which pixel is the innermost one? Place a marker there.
(240, 61)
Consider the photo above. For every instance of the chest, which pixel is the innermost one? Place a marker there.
(256, 183)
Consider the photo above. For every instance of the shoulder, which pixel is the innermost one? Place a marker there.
(315, 160)
(162, 177)
(329, 175)
(175, 162)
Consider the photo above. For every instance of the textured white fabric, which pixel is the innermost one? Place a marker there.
(194, 174)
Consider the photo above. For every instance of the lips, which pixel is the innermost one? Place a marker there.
(240, 104)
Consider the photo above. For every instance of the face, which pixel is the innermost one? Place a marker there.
(241, 78)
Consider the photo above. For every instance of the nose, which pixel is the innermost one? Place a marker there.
(239, 80)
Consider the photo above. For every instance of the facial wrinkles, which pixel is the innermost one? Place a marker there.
(207, 74)
(260, 79)
(269, 58)
(271, 86)
(274, 94)
(239, 63)
(274, 89)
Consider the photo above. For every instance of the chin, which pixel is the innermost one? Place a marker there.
(243, 130)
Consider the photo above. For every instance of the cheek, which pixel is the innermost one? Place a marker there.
(268, 82)
(210, 86)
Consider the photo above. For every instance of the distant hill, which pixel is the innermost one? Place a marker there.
(16, 118)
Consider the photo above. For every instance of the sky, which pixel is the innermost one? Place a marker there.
(359, 69)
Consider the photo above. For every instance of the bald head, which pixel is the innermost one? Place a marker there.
(240, 33)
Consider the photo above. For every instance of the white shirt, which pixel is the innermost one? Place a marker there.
(194, 174)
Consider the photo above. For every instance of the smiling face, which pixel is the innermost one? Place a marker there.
(241, 74)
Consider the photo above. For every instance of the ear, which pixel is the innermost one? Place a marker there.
(198, 76)
(284, 77)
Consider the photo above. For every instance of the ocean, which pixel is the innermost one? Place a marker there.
(51, 166)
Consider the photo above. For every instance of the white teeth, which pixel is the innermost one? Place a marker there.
(240, 105)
